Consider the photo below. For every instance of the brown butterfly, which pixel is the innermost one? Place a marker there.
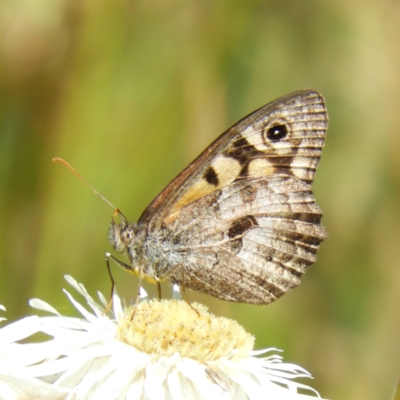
(240, 222)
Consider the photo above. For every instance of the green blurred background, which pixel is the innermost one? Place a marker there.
(129, 92)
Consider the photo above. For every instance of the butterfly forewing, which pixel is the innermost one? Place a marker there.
(252, 147)
(241, 222)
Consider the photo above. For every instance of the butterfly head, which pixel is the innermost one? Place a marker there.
(122, 236)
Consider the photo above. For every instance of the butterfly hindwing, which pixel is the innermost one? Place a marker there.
(251, 241)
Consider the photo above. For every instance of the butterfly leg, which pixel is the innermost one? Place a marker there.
(181, 284)
(107, 309)
(159, 290)
(182, 287)
(138, 292)
(125, 266)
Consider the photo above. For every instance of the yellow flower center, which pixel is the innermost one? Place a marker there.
(168, 326)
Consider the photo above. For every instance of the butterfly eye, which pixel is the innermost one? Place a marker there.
(277, 132)
(127, 235)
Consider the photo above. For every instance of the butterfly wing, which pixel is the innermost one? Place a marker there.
(283, 137)
(249, 242)
(241, 223)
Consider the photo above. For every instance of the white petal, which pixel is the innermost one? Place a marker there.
(76, 285)
(196, 373)
(14, 388)
(118, 309)
(176, 292)
(142, 293)
(42, 305)
(82, 290)
(90, 317)
(19, 330)
(180, 387)
(102, 299)
(135, 390)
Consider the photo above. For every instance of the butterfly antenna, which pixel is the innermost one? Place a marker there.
(61, 161)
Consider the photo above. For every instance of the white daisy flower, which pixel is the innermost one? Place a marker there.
(167, 351)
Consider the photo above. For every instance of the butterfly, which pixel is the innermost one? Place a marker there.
(240, 222)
